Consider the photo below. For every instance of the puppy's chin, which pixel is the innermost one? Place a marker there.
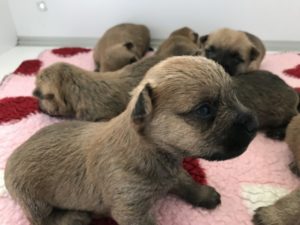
(234, 145)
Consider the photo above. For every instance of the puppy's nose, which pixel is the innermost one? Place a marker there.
(247, 121)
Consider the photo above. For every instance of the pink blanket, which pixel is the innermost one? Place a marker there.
(257, 178)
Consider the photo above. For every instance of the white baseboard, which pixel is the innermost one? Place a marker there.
(90, 42)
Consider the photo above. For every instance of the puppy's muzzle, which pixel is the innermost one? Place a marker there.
(240, 134)
(237, 137)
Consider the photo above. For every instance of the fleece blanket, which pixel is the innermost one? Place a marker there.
(257, 178)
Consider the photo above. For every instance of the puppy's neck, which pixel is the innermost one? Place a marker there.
(145, 157)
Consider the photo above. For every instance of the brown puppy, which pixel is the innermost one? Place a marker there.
(184, 107)
(273, 101)
(237, 51)
(121, 45)
(285, 211)
(183, 41)
(69, 91)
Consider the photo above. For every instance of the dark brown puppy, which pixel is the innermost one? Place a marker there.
(285, 211)
(184, 107)
(237, 51)
(121, 45)
(183, 41)
(273, 101)
(69, 91)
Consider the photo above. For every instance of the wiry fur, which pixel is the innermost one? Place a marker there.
(285, 211)
(273, 101)
(237, 51)
(183, 41)
(67, 171)
(121, 45)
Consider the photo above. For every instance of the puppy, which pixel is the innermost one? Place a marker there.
(183, 41)
(273, 101)
(285, 211)
(121, 45)
(184, 107)
(69, 91)
(237, 51)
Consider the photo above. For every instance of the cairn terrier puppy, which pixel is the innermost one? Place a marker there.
(184, 107)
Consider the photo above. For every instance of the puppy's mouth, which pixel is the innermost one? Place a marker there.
(235, 142)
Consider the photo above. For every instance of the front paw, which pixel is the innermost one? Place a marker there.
(266, 216)
(208, 198)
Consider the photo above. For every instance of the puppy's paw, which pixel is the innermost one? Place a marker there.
(208, 198)
(276, 134)
(266, 216)
(294, 168)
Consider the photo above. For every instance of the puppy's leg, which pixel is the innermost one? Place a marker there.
(286, 211)
(97, 68)
(196, 194)
(276, 133)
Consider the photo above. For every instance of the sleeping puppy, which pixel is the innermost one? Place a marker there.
(183, 41)
(68, 91)
(286, 211)
(121, 45)
(274, 102)
(237, 51)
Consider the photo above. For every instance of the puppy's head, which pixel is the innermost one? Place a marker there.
(183, 41)
(230, 48)
(50, 92)
(119, 56)
(186, 105)
(188, 33)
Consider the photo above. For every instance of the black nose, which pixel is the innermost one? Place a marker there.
(247, 121)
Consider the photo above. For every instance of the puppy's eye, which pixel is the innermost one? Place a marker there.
(132, 60)
(237, 59)
(49, 96)
(205, 111)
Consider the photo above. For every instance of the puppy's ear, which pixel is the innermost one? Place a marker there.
(129, 45)
(196, 37)
(204, 38)
(142, 111)
(254, 53)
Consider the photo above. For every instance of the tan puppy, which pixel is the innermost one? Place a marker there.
(69, 91)
(184, 107)
(183, 41)
(273, 101)
(121, 45)
(237, 51)
(285, 211)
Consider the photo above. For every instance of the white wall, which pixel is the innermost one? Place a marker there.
(269, 19)
(8, 37)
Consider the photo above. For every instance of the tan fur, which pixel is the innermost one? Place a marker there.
(183, 41)
(286, 211)
(121, 45)
(229, 40)
(184, 107)
(87, 95)
(91, 96)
